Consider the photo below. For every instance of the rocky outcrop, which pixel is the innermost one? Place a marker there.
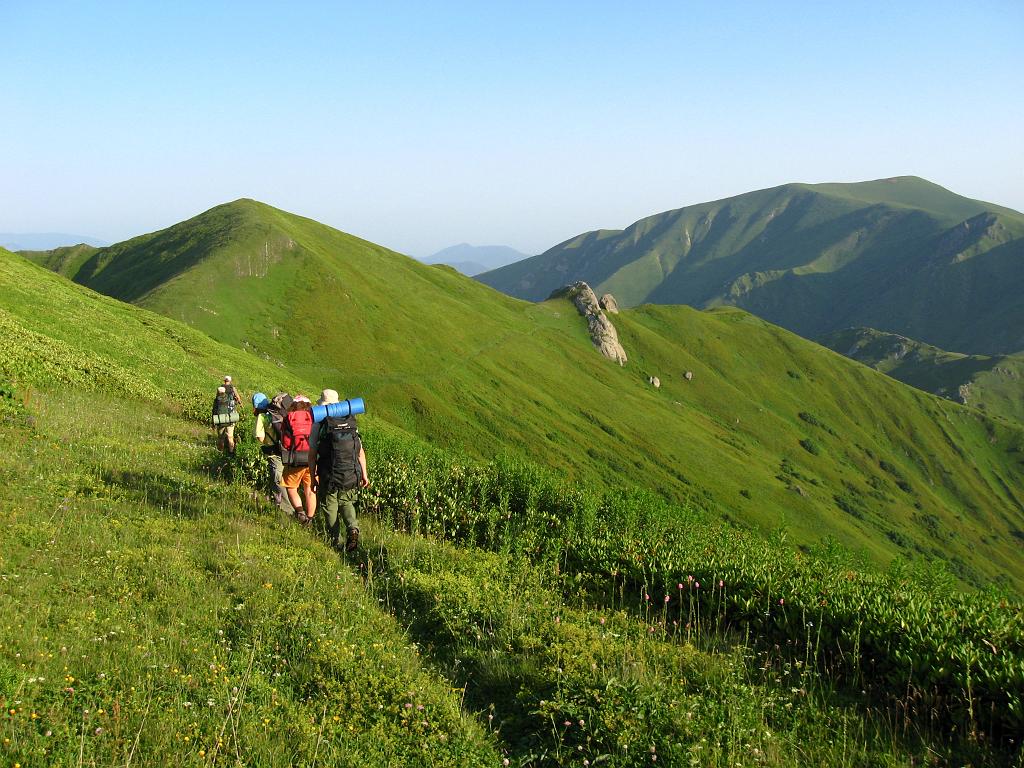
(602, 332)
(609, 304)
(964, 391)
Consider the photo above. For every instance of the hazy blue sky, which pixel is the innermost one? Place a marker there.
(420, 125)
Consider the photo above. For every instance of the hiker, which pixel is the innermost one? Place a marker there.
(337, 462)
(295, 429)
(269, 415)
(230, 389)
(224, 419)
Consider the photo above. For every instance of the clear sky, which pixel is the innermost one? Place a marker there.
(419, 125)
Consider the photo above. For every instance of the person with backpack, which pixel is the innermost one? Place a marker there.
(224, 418)
(232, 392)
(269, 415)
(337, 463)
(295, 430)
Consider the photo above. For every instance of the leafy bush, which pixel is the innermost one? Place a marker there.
(810, 446)
(879, 632)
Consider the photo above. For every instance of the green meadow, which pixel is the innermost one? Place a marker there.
(732, 569)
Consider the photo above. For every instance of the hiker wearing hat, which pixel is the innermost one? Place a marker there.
(295, 429)
(230, 389)
(224, 418)
(337, 462)
(269, 415)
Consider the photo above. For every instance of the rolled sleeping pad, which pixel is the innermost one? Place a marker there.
(260, 401)
(220, 419)
(340, 410)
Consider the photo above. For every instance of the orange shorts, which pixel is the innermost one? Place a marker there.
(295, 476)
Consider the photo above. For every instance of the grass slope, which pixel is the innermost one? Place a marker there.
(772, 431)
(157, 612)
(66, 261)
(902, 255)
(993, 384)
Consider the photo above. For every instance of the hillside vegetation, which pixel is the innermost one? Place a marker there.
(157, 611)
(993, 384)
(771, 431)
(901, 255)
(67, 260)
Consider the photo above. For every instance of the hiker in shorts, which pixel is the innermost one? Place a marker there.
(295, 429)
(224, 418)
(337, 462)
(269, 415)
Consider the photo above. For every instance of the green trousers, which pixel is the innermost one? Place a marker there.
(328, 507)
(275, 472)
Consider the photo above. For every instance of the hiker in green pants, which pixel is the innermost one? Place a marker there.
(337, 464)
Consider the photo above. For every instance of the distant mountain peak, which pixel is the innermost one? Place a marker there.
(472, 260)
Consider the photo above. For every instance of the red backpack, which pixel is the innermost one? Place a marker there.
(295, 429)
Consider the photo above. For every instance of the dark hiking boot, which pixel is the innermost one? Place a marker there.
(353, 540)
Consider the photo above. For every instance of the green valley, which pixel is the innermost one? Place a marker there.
(993, 384)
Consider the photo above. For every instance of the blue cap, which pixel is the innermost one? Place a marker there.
(260, 401)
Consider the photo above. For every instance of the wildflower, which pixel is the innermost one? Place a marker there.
(666, 598)
(679, 585)
(689, 578)
(696, 585)
(505, 761)
(602, 624)
(567, 723)
(408, 705)
(782, 601)
(721, 583)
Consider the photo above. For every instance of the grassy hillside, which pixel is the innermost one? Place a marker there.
(993, 384)
(66, 261)
(772, 430)
(156, 611)
(902, 255)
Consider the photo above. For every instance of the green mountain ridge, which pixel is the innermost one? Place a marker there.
(902, 255)
(995, 384)
(771, 430)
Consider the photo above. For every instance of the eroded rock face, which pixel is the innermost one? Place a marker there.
(609, 304)
(602, 332)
